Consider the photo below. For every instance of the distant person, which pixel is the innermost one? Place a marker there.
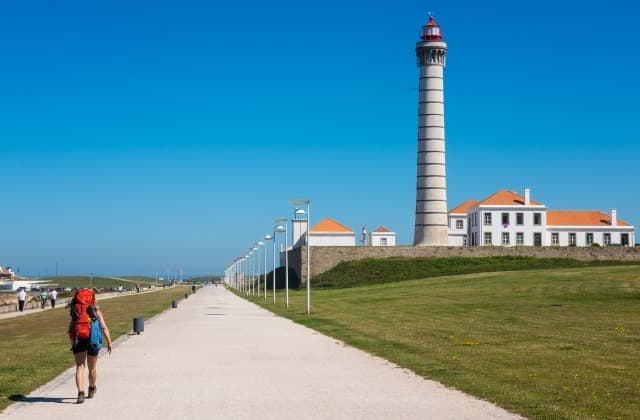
(193, 288)
(83, 306)
(120, 288)
(43, 298)
(138, 288)
(22, 298)
(53, 295)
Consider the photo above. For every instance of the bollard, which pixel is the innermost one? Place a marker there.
(186, 296)
(174, 304)
(138, 325)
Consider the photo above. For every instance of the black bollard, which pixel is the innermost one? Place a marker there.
(138, 325)
(186, 296)
(174, 304)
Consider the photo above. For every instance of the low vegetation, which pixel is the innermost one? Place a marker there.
(553, 343)
(376, 271)
(35, 347)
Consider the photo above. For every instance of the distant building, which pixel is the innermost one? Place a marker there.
(331, 233)
(382, 237)
(507, 218)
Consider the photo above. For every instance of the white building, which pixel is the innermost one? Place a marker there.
(382, 237)
(331, 233)
(507, 218)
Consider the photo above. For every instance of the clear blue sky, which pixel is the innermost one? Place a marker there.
(137, 137)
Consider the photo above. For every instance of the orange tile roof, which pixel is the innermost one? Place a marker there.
(382, 229)
(580, 218)
(504, 197)
(330, 225)
(464, 207)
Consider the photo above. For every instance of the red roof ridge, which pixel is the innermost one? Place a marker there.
(330, 225)
(382, 229)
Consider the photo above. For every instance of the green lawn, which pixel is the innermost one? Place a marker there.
(557, 343)
(34, 348)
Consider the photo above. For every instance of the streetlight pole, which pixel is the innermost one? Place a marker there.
(283, 228)
(259, 256)
(308, 203)
(274, 267)
(266, 238)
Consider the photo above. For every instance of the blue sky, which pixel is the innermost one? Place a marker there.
(141, 137)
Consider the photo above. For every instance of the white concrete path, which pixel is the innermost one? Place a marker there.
(218, 356)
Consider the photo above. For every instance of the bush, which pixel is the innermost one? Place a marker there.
(595, 244)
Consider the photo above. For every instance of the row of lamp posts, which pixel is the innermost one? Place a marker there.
(236, 272)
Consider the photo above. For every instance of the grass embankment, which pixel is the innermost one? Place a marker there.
(559, 344)
(385, 270)
(35, 348)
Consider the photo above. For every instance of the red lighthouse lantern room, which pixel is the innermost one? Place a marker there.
(431, 31)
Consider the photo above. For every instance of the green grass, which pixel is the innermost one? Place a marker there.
(35, 348)
(548, 344)
(384, 270)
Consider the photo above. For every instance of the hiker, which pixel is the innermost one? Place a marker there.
(22, 298)
(193, 288)
(84, 315)
(43, 298)
(53, 295)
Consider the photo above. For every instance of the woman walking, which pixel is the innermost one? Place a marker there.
(84, 313)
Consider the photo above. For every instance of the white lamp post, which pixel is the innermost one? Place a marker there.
(308, 203)
(259, 256)
(267, 238)
(283, 228)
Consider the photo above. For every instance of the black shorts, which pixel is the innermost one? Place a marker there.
(82, 346)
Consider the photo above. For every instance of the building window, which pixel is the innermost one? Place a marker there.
(606, 239)
(519, 238)
(624, 239)
(589, 238)
(383, 241)
(537, 219)
(555, 239)
(572, 238)
(519, 218)
(505, 238)
(487, 238)
(459, 224)
(505, 219)
(487, 218)
(537, 239)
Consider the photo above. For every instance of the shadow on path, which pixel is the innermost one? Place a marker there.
(22, 398)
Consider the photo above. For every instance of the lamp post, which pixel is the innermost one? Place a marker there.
(259, 244)
(308, 203)
(283, 228)
(266, 238)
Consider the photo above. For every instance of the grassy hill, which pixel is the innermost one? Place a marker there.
(552, 343)
(384, 270)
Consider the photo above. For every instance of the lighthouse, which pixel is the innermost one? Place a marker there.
(431, 225)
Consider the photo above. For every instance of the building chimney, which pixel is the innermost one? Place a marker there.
(614, 217)
(527, 196)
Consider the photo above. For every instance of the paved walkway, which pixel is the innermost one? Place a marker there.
(218, 356)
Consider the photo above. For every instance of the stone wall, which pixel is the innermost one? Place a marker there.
(326, 257)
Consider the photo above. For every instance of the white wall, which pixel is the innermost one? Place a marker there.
(332, 239)
(496, 228)
(376, 238)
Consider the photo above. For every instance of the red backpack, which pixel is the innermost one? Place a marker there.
(82, 312)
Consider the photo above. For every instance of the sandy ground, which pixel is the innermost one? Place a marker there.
(218, 356)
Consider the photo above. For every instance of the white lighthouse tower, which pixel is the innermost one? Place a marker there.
(431, 188)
